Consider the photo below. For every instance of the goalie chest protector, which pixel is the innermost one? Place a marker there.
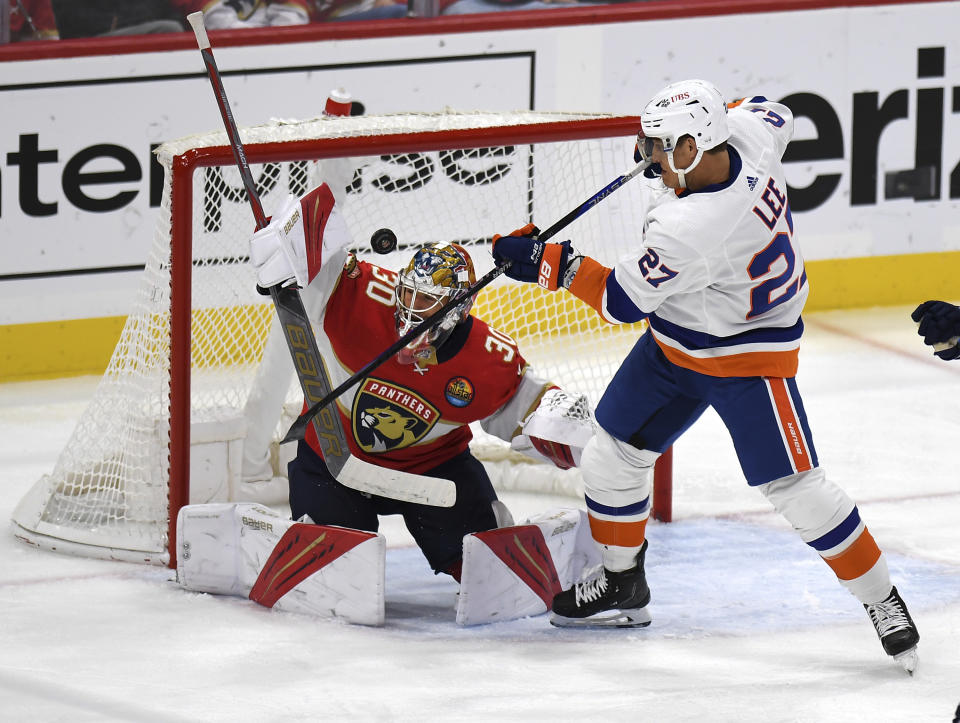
(405, 416)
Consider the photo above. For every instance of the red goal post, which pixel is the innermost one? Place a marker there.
(179, 413)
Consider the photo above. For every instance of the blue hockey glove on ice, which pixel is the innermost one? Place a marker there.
(939, 325)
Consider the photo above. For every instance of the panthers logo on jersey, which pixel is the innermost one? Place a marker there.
(387, 417)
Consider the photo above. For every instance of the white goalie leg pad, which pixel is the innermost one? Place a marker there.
(561, 418)
(514, 572)
(248, 550)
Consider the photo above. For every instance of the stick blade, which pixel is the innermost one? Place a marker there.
(405, 486)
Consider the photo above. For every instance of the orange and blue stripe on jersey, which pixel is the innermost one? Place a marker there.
(619, 526)
(597, 285)
(761, 352)
(849, 548)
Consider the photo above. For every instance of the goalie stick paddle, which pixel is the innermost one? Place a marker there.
(299, 428)
(347, 469)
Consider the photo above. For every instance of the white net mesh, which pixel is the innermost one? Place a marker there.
(410, 173)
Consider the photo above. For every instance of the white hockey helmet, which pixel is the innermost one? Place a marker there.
(688, 107)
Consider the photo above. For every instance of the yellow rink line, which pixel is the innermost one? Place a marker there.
(84, 346)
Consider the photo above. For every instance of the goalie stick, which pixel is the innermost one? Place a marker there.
(346, 468)
(299, 428)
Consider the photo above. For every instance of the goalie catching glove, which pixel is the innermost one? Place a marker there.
(549, 265)
(557, 430)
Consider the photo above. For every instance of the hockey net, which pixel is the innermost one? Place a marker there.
(168, 422)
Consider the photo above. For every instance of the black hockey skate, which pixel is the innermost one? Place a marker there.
(896, 629)
(612, 599)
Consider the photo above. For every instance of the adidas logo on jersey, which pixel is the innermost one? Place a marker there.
(752, 182)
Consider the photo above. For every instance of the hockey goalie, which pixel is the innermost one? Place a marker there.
(407, 424)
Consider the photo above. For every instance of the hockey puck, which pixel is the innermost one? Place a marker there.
(383, 241)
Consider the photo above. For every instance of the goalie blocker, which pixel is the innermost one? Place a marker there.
(245, 549)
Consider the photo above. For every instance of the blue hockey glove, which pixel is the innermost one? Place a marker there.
(518, 247)
(533, 261)
(939, 325)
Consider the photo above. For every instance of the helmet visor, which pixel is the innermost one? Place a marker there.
(648, 146)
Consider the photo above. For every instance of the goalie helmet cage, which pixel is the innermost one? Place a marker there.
(195, 347)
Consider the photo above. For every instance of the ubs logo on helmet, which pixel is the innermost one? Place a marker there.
(667, 102)
(387, 417)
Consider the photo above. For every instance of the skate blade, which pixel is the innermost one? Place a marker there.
(908, 659)
(633, 618)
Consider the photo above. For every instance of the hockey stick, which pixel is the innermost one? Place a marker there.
(299, 428)
(347, 469)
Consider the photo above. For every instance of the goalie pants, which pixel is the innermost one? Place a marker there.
(438, 531)
(650, 402)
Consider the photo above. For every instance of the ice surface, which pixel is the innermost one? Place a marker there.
(748, 624)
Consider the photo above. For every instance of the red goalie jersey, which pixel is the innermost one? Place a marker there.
(410, 417)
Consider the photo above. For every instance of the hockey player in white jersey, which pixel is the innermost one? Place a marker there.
(719, 277)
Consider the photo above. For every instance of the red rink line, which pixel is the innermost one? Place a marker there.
(945, 366)
(725, 516)
(740, 514)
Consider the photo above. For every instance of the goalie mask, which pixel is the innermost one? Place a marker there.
(692, 108)
(434, 275)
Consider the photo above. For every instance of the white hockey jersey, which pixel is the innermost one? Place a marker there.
(718, 274)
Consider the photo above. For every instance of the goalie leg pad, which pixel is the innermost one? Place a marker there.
(514, 572)
(249, 550)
